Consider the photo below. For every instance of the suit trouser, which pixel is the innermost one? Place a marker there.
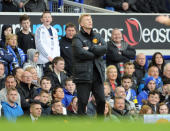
(83, 92)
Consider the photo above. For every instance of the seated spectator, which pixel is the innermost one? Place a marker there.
(153, 101)
(44, 100)
(140, 70)
(119, 111)
(56, 73)
(163, 109)
(35, 79)
(57, 109)
(18, 54)
(150, 85)
(145, 110)
(17, 73)
(35, 6)
(58, 94)
(122, 5)
(10, 82)
(32, 59)
(45, 85)
(130, 93)
(152, 71)
(107, 111)
(27, 91)
(2, 76)
(6, 58)
(35, 111)
(73, 107)
(26, 39)
(158, 60)
(166, 72)
(9, 6)
(129, 70)
(69, 91)
(6, 30)
(118, 51)
(111, 74)
(10, 109)
(107, 93)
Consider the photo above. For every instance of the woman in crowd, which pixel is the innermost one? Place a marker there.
(163, 108)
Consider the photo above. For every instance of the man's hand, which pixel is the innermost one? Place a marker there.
(86, 48)
(50, 58)
(125, 6)
(163, 19)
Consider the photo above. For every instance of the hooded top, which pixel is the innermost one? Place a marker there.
(30, 63)
(151, 78)
(3, 38)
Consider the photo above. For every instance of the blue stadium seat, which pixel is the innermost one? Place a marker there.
(109, 8)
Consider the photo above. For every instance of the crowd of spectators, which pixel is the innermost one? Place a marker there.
(36, 76)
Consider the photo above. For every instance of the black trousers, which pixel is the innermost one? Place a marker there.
(83, 92)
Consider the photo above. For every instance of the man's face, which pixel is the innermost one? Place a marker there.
(46, 85)
(141, 59)
(129, 69)
(59, 94)
(59, 66)
(57, 108)
(36, 110)
(70, 86)
(126, 83)
(27, 77)
(119, 104)
(25, 25)
(2, 70)
(70, 32)
(12, 96)
(46, 19)
(86, 22)
(44, 98)
(153, 99)
(10, 82)
(151, 85)
(36, 56)
(120, 93)
(19, 74)
(167, 71)
(153, 71)
(116, 36)
(34, 74)
(112, 74)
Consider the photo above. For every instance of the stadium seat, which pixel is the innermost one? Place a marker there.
(109, 8)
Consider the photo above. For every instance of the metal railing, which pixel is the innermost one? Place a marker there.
(66, 6)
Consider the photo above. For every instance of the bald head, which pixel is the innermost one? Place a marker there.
(166, 71)
(141, 59)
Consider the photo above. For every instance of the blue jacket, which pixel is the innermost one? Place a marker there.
(15, 62)
(6, 58)
(142, 96)
(11, 113)
(67, 97)
(159, 83)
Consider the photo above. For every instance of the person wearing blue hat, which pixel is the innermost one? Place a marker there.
(150, 85)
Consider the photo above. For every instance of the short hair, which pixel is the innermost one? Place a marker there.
(152, 66)
(45, 78)
(43, 91)
(45, 12)
(70, 25)
(10, 76)
(56, 60)
(115, 29)
(155, 92)
(23, 18)
(129, 64)
(30, 68)
(68, 79)
(54, 91)
(118, 98)
(54, 101)
(126, 76)
(116, 89)
(81, 17)
(11, 89)
(110, 67)
(145, 109)
(14, 71)
(8, 37)
(34, 102)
